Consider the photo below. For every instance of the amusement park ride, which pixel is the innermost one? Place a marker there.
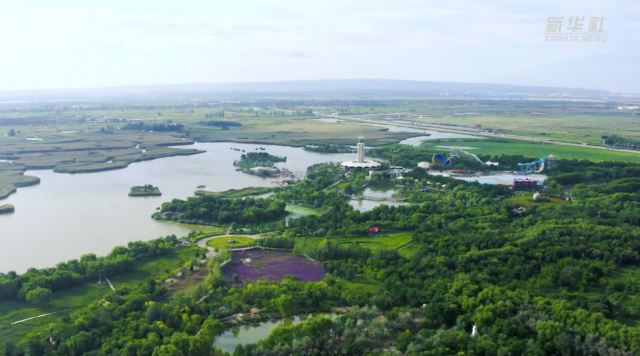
(537, 166)
(455, 154)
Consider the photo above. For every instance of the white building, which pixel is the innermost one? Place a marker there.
(360, 162)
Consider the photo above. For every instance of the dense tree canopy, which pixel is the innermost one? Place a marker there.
(535, 278)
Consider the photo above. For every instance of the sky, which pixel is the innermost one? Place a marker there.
(80, 44)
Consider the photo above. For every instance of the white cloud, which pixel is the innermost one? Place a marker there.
(88, 44)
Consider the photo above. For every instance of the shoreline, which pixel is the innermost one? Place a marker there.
(122, 165)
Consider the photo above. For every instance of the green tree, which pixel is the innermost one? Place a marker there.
(167, 350)
(285, 304)
(12, 133)
(39, 296)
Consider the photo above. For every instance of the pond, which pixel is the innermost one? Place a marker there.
(247, 334)
(367, 205)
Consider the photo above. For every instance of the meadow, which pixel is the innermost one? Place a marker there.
(535, 150)
(563, 127)
(392, 241)
(223, 241)
(361, 284)
(297, 133)
(237, 193)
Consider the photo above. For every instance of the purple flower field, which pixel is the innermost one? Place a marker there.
(272, 265)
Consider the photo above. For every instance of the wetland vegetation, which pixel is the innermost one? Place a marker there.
(146, 190)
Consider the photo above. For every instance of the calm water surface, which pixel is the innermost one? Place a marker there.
(246, 334)
(366, 205)
(68, 215)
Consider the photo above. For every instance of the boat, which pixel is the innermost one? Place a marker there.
(201, 186)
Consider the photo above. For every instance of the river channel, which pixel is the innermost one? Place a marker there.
(68, 215)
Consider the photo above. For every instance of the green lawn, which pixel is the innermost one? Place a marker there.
(80, 297)
(392, 241)
(409, 250)
(223, 241)
(298, 210)
(360, 284)
(536, 150)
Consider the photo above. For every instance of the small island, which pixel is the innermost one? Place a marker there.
(7, 209)
(258, 159)
(146, 190)
(328, 148)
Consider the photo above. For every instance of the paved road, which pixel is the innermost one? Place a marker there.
(514, 137)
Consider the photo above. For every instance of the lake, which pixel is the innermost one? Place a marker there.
(246, 334)
(68, 215)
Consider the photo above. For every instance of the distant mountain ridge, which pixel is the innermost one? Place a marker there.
(392, 87)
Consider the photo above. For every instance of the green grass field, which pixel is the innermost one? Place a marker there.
(360, 284)
(223, 241)
(392, 241)
(409, 250)
(577, 127)
(81, 296)
(536, 150)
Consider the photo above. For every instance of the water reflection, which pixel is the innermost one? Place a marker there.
(248, 334)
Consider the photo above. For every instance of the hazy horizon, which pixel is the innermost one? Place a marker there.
(75, 45)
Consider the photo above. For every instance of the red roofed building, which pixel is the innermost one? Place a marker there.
(374, 230)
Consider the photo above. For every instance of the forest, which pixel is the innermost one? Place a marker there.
(212, 210)
(554, 278)
(37, 285)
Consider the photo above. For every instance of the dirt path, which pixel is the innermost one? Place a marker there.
(39, 316)
(110, 285)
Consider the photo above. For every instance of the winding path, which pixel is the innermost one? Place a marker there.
(203, 243)
(39, 316)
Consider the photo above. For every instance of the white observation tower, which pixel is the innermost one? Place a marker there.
(360, 162)
(360, 149)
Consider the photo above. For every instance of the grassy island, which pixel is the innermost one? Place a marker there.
(7, 209)
(329, 148)
(258, 159)
(146, 190)
(237, 193)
